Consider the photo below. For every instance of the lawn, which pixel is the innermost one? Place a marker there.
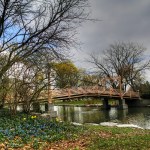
(30, 132)
(112, 138)
(108, 138)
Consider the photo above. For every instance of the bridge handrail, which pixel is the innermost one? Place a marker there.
(95, 90)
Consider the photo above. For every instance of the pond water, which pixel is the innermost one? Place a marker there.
(136, 116)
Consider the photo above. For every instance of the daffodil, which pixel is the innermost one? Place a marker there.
(33, 117)
(24, 119)
(58, 119)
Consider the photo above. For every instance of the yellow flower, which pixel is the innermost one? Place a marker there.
(24, 119)
(58, 119)
(33, 117)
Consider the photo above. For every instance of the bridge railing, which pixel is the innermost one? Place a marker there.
(131, 94)
(93, 90)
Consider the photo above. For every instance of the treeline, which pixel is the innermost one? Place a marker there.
(33, 34)
(26, 81)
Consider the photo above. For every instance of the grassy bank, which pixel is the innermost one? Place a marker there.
(107, 138)
(79, 102)
(30, 132)
(84, 102)
(111, 138)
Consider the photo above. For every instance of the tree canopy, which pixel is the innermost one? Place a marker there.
(33, 34)
(67, 74)
(28, 26)
(122, 59)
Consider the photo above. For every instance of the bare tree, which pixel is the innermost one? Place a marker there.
(26, 81)
(26, 26)
(88, 79)
(29, 31)
(126, 60)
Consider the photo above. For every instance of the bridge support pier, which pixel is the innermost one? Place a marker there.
(53, 114)
(36, 107)
(122, 104)
(105, 103)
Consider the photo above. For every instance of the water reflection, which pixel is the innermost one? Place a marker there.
(137, 116)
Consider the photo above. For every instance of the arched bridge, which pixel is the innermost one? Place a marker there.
(93, 91)
(109, 87)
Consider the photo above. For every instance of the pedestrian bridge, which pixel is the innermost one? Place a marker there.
(108, 88)
(93, 91)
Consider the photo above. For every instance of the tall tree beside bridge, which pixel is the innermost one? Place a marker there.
(30, 26)
(126, 60)
(67, 74)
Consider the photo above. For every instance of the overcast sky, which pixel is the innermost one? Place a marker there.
(121, 20)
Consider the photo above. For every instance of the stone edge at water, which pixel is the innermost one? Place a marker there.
(110, 124)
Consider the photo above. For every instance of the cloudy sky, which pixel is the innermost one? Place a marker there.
(121, 20)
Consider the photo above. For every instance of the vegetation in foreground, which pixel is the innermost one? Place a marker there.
(111, 138)
(30, 132)
(34, 132)
(107, 138)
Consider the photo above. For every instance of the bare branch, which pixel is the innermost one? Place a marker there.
(123, 59)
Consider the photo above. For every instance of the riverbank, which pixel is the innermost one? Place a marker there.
(31, 132)
(84, 103)
(110, 138)
(80, 105)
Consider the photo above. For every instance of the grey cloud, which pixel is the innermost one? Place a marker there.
(122, 20)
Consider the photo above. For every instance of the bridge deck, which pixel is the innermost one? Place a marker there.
(92, 91)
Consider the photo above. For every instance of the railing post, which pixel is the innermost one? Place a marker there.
(130, 94)
(138, 93)
(69, 92)
(97, 90)
(110, 92)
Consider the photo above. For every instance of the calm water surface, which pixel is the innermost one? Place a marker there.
(137, 116)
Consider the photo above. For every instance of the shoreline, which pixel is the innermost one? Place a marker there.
(80, 105)
(110, 124)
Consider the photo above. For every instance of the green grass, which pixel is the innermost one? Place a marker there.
(40, 133)
(84, 102)
(111, 138)
(79, 102)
